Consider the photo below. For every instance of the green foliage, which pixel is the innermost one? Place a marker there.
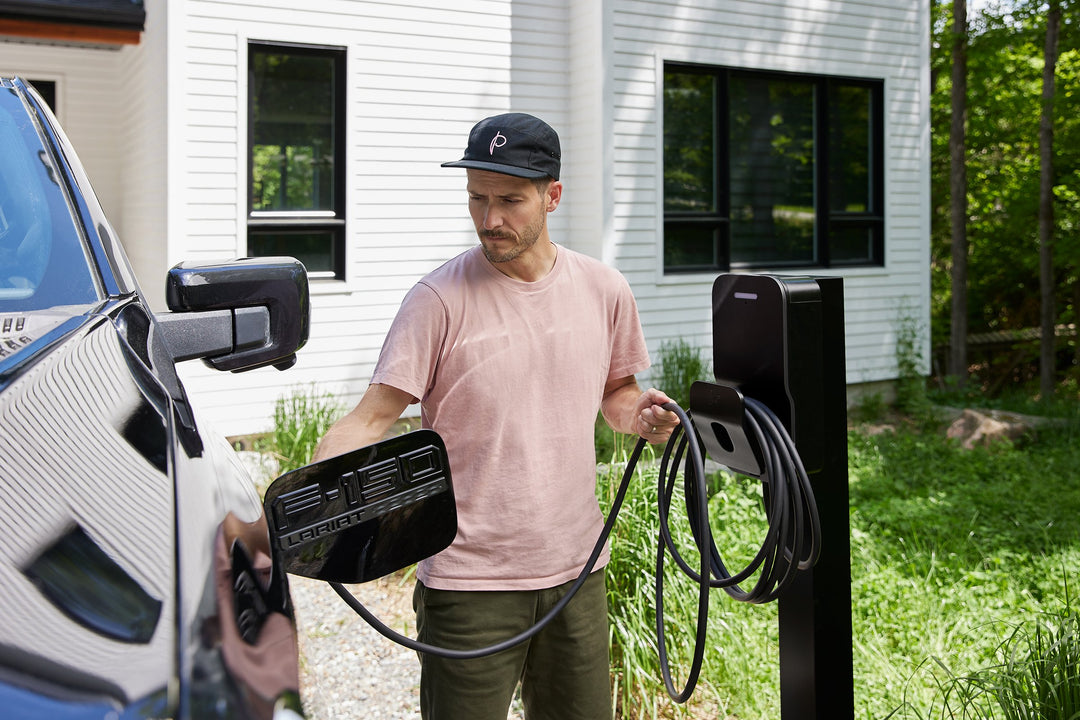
(679, 365)
(868, 407)
(1035, 675)
(1039, 674)
(911, 395)
(300, 420)
(610, 445)
(1005, 63)
(949, 546)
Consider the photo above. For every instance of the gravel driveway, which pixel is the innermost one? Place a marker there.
(347, 670)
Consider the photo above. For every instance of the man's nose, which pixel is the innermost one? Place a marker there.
(492, 218)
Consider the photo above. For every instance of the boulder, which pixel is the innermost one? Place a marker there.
(976, 427)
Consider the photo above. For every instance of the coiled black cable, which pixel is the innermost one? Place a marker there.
(790, 543)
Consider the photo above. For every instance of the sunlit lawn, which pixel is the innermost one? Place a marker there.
(951, 550)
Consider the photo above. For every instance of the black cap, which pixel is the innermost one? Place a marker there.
(512, 144)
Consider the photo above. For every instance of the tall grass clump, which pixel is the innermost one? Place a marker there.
(1036, 676)
(301, 418)
(1039, 676)
(911, 396)
(631, 607)
(679, 365)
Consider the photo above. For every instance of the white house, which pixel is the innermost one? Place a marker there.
(779, 136)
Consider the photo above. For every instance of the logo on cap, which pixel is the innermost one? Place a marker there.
(496, 142)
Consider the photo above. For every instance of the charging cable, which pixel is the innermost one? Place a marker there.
(791, 543)
(521, 637)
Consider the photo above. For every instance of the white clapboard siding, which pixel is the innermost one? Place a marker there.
(89, 94)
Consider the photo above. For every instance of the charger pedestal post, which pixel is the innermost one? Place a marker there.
(780, 340)
(816, 668)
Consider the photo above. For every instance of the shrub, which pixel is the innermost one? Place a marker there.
(300, 420)
(911, 394)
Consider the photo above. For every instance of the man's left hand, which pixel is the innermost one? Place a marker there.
(653, 422)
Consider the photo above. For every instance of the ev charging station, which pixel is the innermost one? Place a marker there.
(778, 349)
(780, 340)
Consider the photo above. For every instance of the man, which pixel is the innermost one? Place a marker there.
(511, 348)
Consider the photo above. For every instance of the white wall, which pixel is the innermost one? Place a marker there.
(142, 218)
(420, 74)
(161, 128)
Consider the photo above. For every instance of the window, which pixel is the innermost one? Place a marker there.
(769, 170)
(296, 160)
(47, 90)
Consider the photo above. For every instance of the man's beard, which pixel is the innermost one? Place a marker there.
(526, 240)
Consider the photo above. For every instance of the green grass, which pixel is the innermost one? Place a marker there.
(959, 557)
(951, 549)
(1034, 676)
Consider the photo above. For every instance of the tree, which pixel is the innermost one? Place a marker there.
(1005, 63)
(958, 365)
(1047, 284)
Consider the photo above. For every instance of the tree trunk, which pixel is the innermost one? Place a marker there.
(1047, 345)
(957, 366)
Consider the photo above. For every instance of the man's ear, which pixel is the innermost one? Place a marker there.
(553, 195)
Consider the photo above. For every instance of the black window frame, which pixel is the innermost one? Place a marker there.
(299, 222)
(825, 219)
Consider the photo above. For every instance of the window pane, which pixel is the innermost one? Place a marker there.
(850, 150)
(772, 170)
(851, 244)
(314, 248)
(47, 90)
(689, 128)
(691, 245)
(292, 144)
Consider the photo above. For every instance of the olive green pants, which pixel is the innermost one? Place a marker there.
(564, 670)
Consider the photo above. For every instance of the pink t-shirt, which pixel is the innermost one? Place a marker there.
(511, 375)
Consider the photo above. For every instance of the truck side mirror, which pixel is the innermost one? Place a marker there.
(237, 315)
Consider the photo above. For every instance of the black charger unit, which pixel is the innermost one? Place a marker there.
(767, 344)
